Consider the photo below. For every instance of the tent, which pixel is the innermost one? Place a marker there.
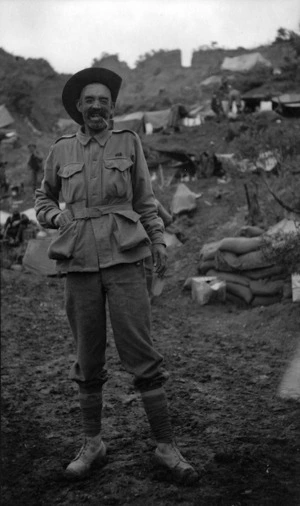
(134, 121)
(158, 119)
(140, 121)
(287, 104)
(212, 81)
(3, 217)
(245, 62)
(254, 98)
(5, 117)
(151, 121)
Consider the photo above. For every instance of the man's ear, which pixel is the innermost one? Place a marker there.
(113, 105)
(78, 105)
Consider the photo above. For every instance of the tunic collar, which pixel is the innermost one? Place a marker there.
(101, 137)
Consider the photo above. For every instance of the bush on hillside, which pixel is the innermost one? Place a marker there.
(17, 95)
(283, 249)
(282, 141)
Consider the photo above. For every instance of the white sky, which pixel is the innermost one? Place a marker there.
(69, 34)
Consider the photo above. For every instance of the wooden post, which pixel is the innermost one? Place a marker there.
(254, 213)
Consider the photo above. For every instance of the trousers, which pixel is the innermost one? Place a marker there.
(124, 287)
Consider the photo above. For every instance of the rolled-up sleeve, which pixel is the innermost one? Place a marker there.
(47, 196)
(143, 196)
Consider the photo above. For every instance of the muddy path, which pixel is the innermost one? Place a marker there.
(225, 362)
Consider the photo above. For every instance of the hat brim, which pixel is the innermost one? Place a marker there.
(78, 81)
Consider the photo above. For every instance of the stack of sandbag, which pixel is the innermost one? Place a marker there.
(249, 277)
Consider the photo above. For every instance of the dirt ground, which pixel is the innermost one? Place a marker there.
(225, 363)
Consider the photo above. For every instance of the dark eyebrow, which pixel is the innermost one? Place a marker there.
(94, 96)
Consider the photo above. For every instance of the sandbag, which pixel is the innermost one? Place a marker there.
(240, 245)
(228, 276)
(205, 266)
(227, 261)
(260, 300)
(243, 292)
(251, 231)
(236, 300)
(265, 272)
(265, 287)
(254, 260)
(209, 250)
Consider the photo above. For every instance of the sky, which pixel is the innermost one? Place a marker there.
(69, 34)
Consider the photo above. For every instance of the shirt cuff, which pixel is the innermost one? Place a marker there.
(158, 239)
(50, 215)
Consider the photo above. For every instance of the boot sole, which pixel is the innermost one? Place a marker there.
(98, 463)
(185, 477)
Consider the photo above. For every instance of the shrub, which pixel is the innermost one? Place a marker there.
(283, 249)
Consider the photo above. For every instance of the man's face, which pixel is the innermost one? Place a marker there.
(96, 107)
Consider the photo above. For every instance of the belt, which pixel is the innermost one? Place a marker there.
(87, 213)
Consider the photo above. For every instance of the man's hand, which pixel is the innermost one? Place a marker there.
(63, 218)
(160, 257)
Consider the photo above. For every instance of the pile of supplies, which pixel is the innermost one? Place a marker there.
(236, 269)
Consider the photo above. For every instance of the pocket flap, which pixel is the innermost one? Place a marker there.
(70, 169)
(130, 215)
(120, 164)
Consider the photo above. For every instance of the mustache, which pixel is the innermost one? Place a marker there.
(101, 111)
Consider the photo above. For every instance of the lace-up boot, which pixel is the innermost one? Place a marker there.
(169, 457)
(92, 453)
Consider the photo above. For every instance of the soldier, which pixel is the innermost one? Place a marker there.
(34, 164)
(109, 226)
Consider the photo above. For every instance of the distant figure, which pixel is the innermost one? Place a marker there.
(34, 164)
(4, 186)
(177, 113)
(224, 88)
(15, 226)
(234, 99)
(210, 164)
(216, 105)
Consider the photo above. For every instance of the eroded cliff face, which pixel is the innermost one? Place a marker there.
(112, 62)
(157, 80)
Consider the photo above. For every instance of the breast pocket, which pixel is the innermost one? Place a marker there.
(72, 182)
(117, 175)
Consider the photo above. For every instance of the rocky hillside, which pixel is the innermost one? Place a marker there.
(31, 88)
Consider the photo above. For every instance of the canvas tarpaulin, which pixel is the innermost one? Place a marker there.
(288, 104)
(36, 257)
(288, 99)
(6, 118)
(134, 121)
(158, 119)
(184, 200)
(244, 62)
